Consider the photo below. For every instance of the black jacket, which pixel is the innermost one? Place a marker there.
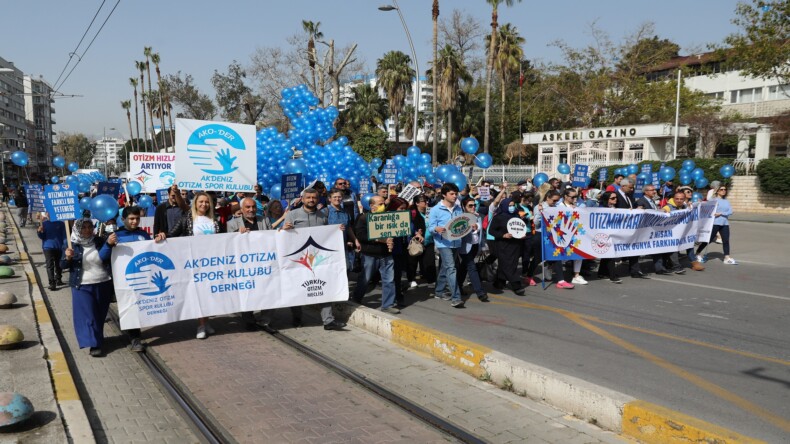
(160, 219)
(184, 227)
(369, 247)
(624, 203)
(498, 228)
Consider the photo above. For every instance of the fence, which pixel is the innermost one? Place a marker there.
(500, 173)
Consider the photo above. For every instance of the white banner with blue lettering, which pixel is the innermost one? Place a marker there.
(193, 277)
(215, 156)
(586, 233)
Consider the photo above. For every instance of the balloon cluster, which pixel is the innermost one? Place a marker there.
(414, 165)
(310, 127)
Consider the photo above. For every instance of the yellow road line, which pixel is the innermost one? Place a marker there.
(704, 384)
(65, 390)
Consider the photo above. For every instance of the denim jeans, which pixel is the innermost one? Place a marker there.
(468, 266)
(448, 274)
(385, 266)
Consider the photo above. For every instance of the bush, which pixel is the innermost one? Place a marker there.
(710, 166)
(774, 175)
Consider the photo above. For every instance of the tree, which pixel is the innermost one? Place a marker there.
(366, 109)
(490, 65)
(394, 76)
(369, 142)
(147, 53)
(407, 121)
(762, 47)
(646, 52)
(435, 17)
(463, 33)
(450, 71)
(185, 95)
(141, 68)
(507, 61)
(237, 100)
(313, 34)
(133, 82)
(162, 100)
(126, 105)
(76, 147)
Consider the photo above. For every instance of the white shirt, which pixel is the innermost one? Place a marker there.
(93, 271)
(202, 225)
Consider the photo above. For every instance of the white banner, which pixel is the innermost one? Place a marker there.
(153, 171)
(585, 233)
(193, 277)
(215, 156)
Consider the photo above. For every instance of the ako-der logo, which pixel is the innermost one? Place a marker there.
(312, 255)
(148, 274)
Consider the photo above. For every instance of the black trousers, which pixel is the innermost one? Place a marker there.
(530, 257)
(508, 253)
(52, 260)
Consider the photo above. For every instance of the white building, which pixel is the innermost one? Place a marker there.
(39, 116)
(107, 150)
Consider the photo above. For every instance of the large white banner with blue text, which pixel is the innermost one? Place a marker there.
(212, 275)
(215, 156)
(586, 233)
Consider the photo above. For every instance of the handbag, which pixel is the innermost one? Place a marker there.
(415, 247)
(485, 267)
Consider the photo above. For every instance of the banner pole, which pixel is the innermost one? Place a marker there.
(543, 250)
(68, 233)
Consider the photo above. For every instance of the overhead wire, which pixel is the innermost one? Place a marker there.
(73, 53)
(57, 87)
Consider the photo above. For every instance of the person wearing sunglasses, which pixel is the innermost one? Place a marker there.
(470, 245)
(607, 266)
(721, 225)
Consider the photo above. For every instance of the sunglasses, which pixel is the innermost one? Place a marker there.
(613, 198)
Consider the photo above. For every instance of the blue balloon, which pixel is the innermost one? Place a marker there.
(275, 192)
(133, 188)
(685, 179)
(84, 186)
(54, 179)
(666, 174)
(376, 163)
(11, 203)
(688, 164)
(19, 158)
(73, 167)
(366, 201)
(633, 168)
(295, 166)
(85, 203)
(470, 145)
(458, 179)
(701, 182)
(540, 179)
(697, 173)
(442, 172)
(72, 180)
(145, 201)
(644, 176)
(564, 168)
(59, 161)
(413, 151)
(696, 197)
(104, 207)
(727, 171)
(425, 158)
(484, 160)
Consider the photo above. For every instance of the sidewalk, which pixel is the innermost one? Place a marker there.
(123, 403)
(759, 217)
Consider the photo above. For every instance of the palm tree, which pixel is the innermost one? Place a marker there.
(449, 72)
(155, 59)
(147, 52)
(133, 82)
(367, 108)
(508, 54)
(490, 61)
(141, 68)
(394, 76)
(127, 105)
(407, 121)
(314, 34)
(435, 16)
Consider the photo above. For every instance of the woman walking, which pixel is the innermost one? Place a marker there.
(90, 280)
(508, 248)
(470, 245)
(606, 267)
(721, 225)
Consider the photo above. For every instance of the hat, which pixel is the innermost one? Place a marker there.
(593, 193)
(522, 182)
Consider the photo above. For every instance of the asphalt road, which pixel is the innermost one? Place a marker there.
(712, 344)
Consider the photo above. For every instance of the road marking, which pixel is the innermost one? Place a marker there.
(700, 382)
(711, 287)
(706, 315)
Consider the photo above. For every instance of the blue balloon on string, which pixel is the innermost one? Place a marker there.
(104, 207)
(275, 192)
(85, 203)
(73, 167)
(72, 180)
(19, 158)
(633, 168)
(727, 171)
(701, 182)
(145, 201)
(697, 173)
(133, 188)
(685, 179)
(470, 145)
(59, 161)
(366, 201)
(413, 151)
(540, 179)
(688, 164)
(564, 168)
(54, 179)
(484, 160)
(666, 174)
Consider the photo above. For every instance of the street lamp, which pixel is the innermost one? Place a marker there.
(416, 66)
(104, 140)
(2, 161)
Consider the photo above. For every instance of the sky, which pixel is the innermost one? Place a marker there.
(199, 36)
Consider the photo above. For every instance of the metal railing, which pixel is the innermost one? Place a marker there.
(499, 173)
(745, 167)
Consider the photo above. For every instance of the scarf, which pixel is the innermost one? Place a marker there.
(76, 237)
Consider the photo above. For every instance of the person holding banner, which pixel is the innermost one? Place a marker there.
(470, 245)
(53, 234)
(625, 200)
(440, 216)
(400, 253)
(167, 214)
(607, 266)
(721, 225)
(551, 199)
(200, 221)
(376, 256)
(569, 199)
(508, 248)
(680, 202)
(337, 215)
(90, 280)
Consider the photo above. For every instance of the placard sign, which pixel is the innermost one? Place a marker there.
(517, 228)
(409, 192)
(364, 186)
(62, 202)
(484, 193)
(389, 173)
(602, 174)
(579, 178)
(162, 195)
(656, 180)
(215, 156)
(459, 226)
(35, 197)
(152, 170)
(291, 186)
(111, 188)
(389, 224)
(639, 189)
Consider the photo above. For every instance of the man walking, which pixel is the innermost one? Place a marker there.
(625, 200)
(376, 255)
(448, 249)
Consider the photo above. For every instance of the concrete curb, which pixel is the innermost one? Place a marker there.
(67, 397)
(609, 409)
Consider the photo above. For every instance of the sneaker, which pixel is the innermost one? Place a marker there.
(483, 297)
(579, 280)
(564, 285)
(443, 296)
(731, 261)
(95, 351)
(457, 304)
(201, 332)
(680, 271)
(413, 284)
(616, 280)
(391, 310)
(209, 329)
(700, 259)
(137, 345)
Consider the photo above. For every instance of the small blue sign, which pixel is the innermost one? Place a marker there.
(364, 186)
(656, 180)
(162, 195)
(389, 173)
(35, 197)
(113, 189)
(602, 174)
(291, 186)
(639, 189)
(647, 168)
(62, 202)
(579, 178)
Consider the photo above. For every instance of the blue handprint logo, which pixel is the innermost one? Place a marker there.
(145, 273)
(210, 148)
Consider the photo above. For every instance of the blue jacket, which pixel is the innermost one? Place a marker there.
(124, 235)
(726, 211)
(74, 265)
(54, 235)
(467, 242)
(440, 216)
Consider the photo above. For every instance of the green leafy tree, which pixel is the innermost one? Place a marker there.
(507, 61)
(141, 67)
(366, 109)
(762, 46)
(147, 51)
(133, 81)
(237, 101)
(394, 76)
(369, 142)
(449, 71)
(75, 147)
(434, 107)
(193, 104)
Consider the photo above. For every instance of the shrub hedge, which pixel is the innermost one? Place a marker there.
(710, 166)
(774, 175)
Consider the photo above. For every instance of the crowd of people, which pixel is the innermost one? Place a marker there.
(489, 252)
